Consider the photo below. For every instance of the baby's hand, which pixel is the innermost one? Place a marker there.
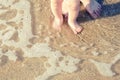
(93, 7)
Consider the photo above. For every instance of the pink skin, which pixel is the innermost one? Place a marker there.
(56, 7)
(93, 7)
(70, 8)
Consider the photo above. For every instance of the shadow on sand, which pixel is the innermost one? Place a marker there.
(108, 10)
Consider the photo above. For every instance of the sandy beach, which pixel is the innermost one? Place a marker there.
(30, 49)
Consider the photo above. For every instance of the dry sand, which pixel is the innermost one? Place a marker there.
(30, 49)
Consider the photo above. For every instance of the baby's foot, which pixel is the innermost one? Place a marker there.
(57, 24)
(76, 28)
(93, 7)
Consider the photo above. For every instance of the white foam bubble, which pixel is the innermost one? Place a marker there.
(67, 64)
(95, 53)
(6, 3)
(10, 54)
(24, 33)
(106, 68)
(116, 58)
(103, 68)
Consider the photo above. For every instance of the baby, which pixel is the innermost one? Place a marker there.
(70, 8)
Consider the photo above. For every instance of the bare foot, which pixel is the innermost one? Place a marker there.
(76, 28)
(93, 7)
(57, 24)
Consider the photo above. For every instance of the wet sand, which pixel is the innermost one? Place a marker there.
(30, 49)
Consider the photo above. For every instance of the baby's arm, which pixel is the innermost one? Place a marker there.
(93, 7)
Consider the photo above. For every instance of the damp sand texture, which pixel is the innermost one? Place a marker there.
(31, 50)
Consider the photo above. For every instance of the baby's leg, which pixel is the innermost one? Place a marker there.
(56, 7)
(93, 7)
(73, 14)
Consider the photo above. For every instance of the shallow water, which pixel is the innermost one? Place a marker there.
(29, 50)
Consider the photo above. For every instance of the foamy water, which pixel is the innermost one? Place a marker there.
(17, 31)
(24, 34)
